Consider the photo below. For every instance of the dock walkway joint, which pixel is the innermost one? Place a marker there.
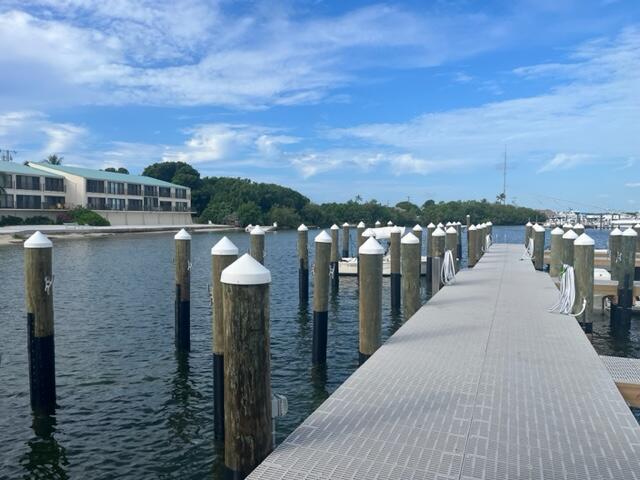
(481, 383)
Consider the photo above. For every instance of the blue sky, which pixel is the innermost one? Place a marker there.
(335, 99)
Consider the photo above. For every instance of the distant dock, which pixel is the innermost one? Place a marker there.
(481, 383)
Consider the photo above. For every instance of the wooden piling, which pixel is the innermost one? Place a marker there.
(636, 228)
(257, 244)
(409, 252)
(430, 229)
(321, 273)
(471, 246)
(578, 228)
(394, 252)
(335, 279)
(247, 368)
(38, 289)
(458, 227)
(538, 247)
(378, 224)
(183, 291)
(303, 264)
(557, 249)
(527, 233)
(223, 254)
(436, 280)
(360, 239)
(451, 244)
(370, 298)
(626, 265)
(417, 232)
(567, 251)
(438, 241)
(346, 238)
(583, 251)
(615, 239)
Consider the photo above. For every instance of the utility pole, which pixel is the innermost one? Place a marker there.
(504, 178)
(7, 155)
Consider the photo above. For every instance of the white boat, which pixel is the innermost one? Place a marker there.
(348, 266)
(264, 228)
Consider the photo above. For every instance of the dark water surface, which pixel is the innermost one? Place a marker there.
(128, 407)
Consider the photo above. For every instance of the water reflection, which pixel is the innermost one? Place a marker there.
(45, 458)
(319, 384)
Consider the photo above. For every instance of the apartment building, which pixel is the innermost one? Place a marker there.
(27, 191)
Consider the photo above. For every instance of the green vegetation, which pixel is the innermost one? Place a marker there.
(54, 159)
(241, 201)
(10, 220)
(83, 216)
(117, 170)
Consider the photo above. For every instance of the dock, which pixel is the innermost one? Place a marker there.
(481, 383)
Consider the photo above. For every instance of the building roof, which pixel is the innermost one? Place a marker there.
(20, 169)
(109, 176)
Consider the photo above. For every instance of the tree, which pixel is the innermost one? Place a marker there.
(54, 159)
(286, 217)
(249, 213)
(500, 198)
(118, 170)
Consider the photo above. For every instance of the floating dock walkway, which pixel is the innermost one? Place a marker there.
(481, 383)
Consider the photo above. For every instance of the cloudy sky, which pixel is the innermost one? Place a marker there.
(388, 101)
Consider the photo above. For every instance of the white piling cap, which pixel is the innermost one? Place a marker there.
(396, 229)
(369, 233)
(417, 228)
(246, 271)
(335, 227)
(615, 232)
(224, 247)
(431, 225)
(570, 235)
(346, 224)
(438, 232)
(440, 225)
(389, 223)
(371, 247)
(303, 228)
(410, 238)
(257, 230)
(529, 224)
(637, 225)
(579, 225)
(566, 225)
(323, 237)
(557, 231)
(538, 228)
(472, 227)
(361, 225)
(448, 224)
(38, 240)
(182, 235)
(584, 239)
(451, 230)
(489, 223)
(629, 232)
(378, 223)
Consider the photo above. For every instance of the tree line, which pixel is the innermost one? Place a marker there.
(240, 201)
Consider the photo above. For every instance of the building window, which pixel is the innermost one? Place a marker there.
(150, 191)
(150, 203)
(5, 180)
(28, 201)
(95, 186)
(165, 206)
(181, 207)
(25, 182)
(134, 189)
(165, 192)
(135, 204)
(53, 202)
(115, 203)
(96, 203)
(181, 193)
(54, 184)
(6, 201)
(115, 188)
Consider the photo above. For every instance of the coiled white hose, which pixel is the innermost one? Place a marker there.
(528, 251)
(567, 297)
(448, 271)
(487, 242)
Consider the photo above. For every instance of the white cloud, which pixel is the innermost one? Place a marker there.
(632, 184)
(564, 161)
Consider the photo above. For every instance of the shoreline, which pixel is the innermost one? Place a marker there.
(18, 234)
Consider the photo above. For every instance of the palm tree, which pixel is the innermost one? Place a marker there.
(54, 159)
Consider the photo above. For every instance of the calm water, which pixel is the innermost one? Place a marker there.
(128, 407)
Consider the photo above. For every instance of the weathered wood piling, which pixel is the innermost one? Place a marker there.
(257, 244)
(247, 367)
(578, 228)
(346, 238)
(303, 264)
(538, 246)
(471, 246)
(394, 252)
(567, 251)
(557, 250)
(583, 251)
(410, 252)
(360, 239)
(625, 267)
(528, 231)
(615, 240)
(321, 273)
(417, 232)
(223, 254)
(38, 289)
(335, 258)
(438, 241)
(451, 245)
(183, 291)
(370, 298)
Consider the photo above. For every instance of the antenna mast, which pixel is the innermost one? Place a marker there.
(504, 178)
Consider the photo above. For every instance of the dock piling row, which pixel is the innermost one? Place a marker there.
(303, 264)
(321, 298)
(394, 251)
(183, 291)
(370, 298)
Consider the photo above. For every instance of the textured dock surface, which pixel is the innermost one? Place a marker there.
(482, 383)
